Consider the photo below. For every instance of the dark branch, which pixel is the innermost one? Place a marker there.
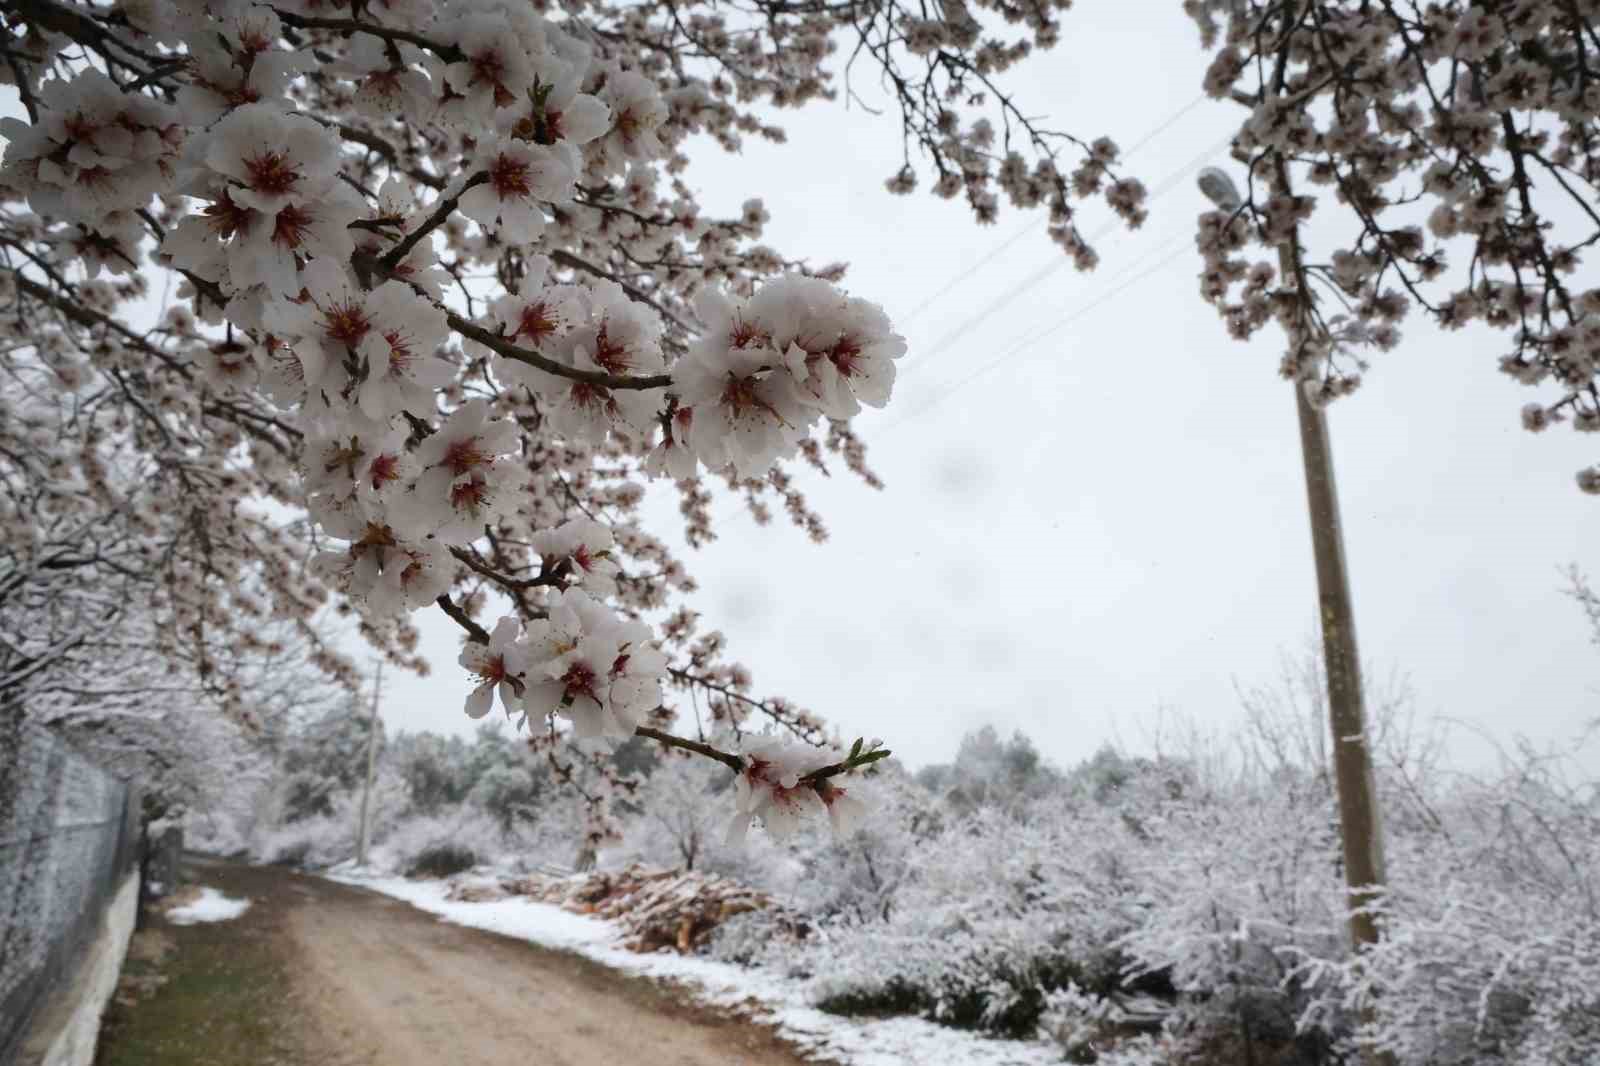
(599, 378)
(475, 633)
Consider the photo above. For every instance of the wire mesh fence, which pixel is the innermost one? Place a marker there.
(69, 836)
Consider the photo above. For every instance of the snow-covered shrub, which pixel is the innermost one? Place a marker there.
(994, 913)
(760, 938)
(675, 825)
(442, 859)
(1238, 890)
(328, 837)
(323, 758)
(422, 845)
(1491, 951)
(1077, 1020)
(436, 769)
(1491, 932)
(310, 843)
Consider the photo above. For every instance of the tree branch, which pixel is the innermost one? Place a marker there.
(388, 152)
(731, 761)
(475, 633)
(447, 52)
(600, 378)
(443, 210)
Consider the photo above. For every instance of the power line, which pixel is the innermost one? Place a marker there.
(1034, 337)
(1027, 341)
(971, 270)
(1159, 130)
(1030, 227)
(1165, 186)
(1173, 248)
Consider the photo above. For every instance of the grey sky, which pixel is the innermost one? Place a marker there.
(1113, 520)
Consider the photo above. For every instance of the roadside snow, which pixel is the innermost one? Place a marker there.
(780, 1003)
(212, 906)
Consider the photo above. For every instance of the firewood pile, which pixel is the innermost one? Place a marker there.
(657, 909)
(474, 892)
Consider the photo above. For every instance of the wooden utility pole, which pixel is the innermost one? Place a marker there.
(1360, 823)
(1360, 826)
(372, 764)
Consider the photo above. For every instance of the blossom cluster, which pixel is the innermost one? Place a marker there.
(322, 190)
(580, 662)
(780, 785)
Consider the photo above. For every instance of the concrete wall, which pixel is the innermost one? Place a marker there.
(69, 1026)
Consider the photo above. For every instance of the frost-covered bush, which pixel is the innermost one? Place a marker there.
(436, 769)
(310, 843)
(442, 859)
(1491, 933)
(759, 938)
(1191, 908)
(415, 842)
(1094, 1028)
(675, 823)
(1492, 927)
(1238, 889)
(992, 915)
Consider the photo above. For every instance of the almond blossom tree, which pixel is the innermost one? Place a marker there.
(444, 302)
(1456, 143)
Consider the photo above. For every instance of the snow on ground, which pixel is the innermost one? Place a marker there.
(212, 906)
(781, 1003)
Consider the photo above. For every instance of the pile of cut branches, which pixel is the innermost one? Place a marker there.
(657, 909)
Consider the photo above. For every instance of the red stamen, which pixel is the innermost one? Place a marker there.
(272, 173)
(346, 323)
(384, 469)
(510, 178)
(227, 218)
(579, 681)
(611, 356)
(535, 323)
(469, 495)
(463, 455)
(289, 226)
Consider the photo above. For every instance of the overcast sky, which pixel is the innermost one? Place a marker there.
(1112, 520)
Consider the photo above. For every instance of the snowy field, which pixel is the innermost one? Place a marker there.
(781, 1003)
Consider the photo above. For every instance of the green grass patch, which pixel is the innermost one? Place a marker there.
(220, 997)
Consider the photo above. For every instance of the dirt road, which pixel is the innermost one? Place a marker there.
(343, 977)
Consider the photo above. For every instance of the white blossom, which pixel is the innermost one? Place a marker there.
(584, 547)
(95, 149)
(591, 667)
(462, 487)
(770, 787)
(498, 666)
(521, 178)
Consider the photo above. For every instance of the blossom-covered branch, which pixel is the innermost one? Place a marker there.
(325, 196)
(1476, 120)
